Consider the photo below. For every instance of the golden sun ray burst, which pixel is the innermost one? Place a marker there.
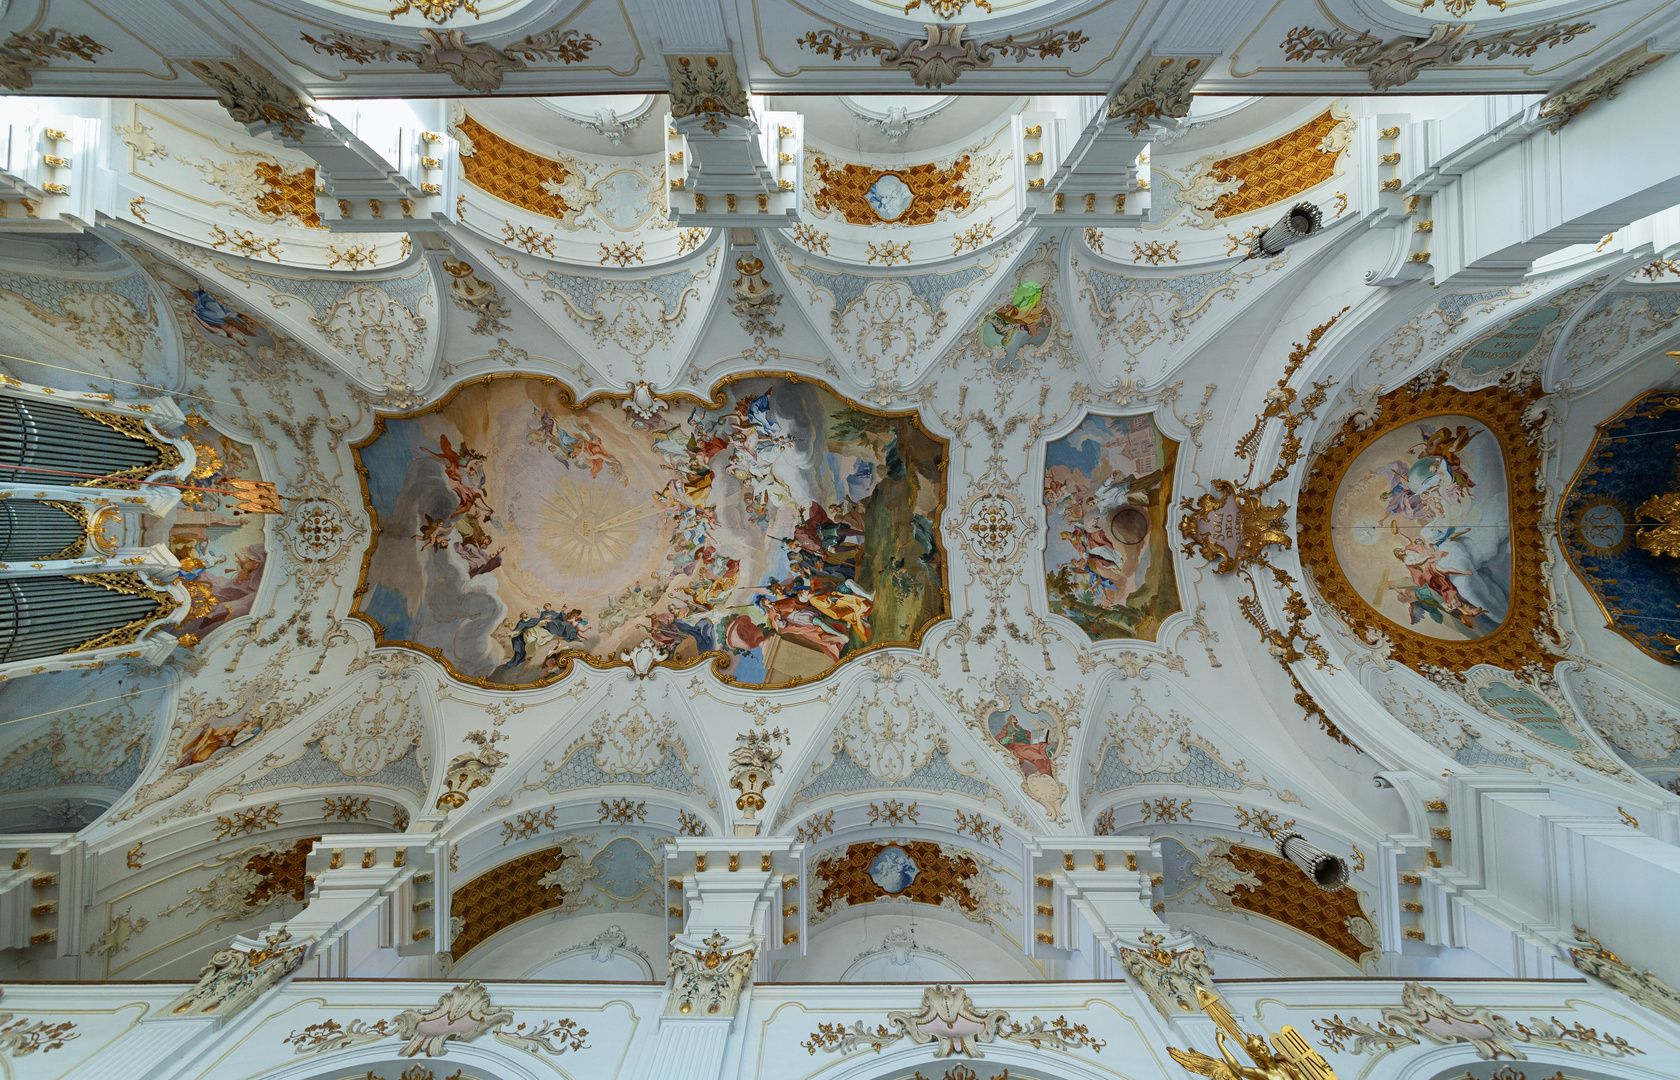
(593, 527)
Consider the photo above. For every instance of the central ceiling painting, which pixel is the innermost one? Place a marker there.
(777, 530)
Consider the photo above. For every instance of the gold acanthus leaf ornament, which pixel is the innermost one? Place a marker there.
(1233, 526)
(1663, 538)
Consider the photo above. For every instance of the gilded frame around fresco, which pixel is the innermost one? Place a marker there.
(1516, 643)
(1667, 402)
(717, 657)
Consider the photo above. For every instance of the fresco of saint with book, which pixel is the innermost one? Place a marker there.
(778, 534)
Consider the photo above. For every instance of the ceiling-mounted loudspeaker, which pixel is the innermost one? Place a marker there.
(1304, 219)
(1329, 872)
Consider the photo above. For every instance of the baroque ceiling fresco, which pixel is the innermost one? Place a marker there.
(959, 504)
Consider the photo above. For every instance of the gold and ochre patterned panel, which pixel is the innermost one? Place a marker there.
(503, 895)
(940, 875)
(1284, 167)
(846, 189)
(281, 872)
(511, 173)
(1285, 894)
(289, 194)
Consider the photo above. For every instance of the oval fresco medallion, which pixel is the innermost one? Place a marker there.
(778, 530)
(1421, 527)
(893, 870)
(889, 196)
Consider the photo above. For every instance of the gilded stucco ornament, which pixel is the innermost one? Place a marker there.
(944, 55)
(474, 66)
(471, 770)
(476, 297)
(953, 1024)
(1234, 528)
(24, 53)
(254, 95)
(706, 86)
(752, 766)
(1601, 84)
(1160, 89)
(1590, 957)
(1169, 976)
(1399, 60)
(1427, 1016)
(754, 300)
(709, 982)
(463, 1013)
(239, 974)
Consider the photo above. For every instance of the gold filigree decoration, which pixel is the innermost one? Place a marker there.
(439, 11)
(934, 189)
(1104, 825)
(244, 242)
(1094, 240)
(688, 240)
(136, 854)
(528, 239)
(526, 825)
(818, 826)
(1520, 641)
(971, 238)
(244, 822)
(978, 827)
(807, 237)
(690, 824)
(1154, 252)
(344, 808)
(1164, 810)
(1264, 822)
(354, 256)
(621, 253)
(1234, 244)
(1278, 170)
(893, 812)
(887, 252)
(622, 812)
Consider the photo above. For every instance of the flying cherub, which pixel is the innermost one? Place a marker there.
(435, 533)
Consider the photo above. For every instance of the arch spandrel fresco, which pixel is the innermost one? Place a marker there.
(513, 530)
(1421, 526)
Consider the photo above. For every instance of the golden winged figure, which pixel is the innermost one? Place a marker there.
(1289, 1057)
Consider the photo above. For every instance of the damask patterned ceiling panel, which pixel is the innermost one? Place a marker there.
(1620, 523)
